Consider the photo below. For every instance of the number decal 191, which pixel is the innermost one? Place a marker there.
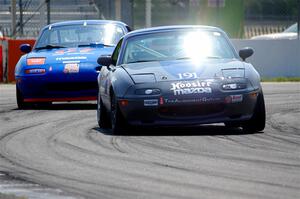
(187, 75)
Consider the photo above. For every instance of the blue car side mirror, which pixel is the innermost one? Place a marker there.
(25, 48)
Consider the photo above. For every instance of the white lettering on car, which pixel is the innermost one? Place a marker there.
(187, 75)
(69, 58)
(194, 87)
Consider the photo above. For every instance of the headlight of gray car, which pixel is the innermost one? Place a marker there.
(233, 73)
(143, 78)
(148, 91)
(234, 86)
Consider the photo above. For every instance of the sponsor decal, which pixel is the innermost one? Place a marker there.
(151, 102)
(86, 50)
(236, 98)
(73, 51)
(195, 100)
(191, 87)
(71, 61)
(161, 100)
(71, 68)
(187, 75)
(179, 67)
(60, 52)
(70, 58)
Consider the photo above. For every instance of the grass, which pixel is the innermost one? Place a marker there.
(10, 196)
(281, 79)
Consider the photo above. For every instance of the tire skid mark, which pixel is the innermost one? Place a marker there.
(259, 142)
(163, 165)
(16, 162)
(209, 173)
(164, 181)
(2, 137)
(223, 156)
(114, 142)
(97, 154)
(138, 176)
(30, 168)
(170, 151)
(224, 176)
(91, 137)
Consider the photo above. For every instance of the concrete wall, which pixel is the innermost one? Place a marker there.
(273, 58)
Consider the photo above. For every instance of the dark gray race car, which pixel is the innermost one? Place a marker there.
(179, 75)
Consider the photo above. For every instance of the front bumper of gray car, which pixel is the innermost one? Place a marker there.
(168, 108)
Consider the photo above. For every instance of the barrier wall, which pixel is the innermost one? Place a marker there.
(14, 55)
(1, 64)
(273, 58)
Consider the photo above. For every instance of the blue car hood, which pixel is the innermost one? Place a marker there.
(74, 55)
(176, 70)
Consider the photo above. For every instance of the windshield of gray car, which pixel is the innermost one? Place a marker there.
(80, 35)
(175, 45)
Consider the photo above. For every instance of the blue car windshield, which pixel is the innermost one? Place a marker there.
(178, 44)
(80, 35)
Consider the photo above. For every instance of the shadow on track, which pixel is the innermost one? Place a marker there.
(204, 130)
(63, 106)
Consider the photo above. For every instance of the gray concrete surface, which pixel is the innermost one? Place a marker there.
(273, 58)
(62, 147)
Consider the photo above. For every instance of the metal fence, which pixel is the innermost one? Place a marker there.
(239, 18)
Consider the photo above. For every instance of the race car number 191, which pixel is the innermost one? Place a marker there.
(187, 75)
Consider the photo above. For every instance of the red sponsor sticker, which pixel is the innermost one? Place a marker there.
(86, 50)
(236, 98)
(233, 99)
(60, 52)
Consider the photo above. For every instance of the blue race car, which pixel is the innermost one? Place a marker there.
(179, 75)
(63, 63)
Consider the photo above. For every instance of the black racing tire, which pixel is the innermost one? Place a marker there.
(102, 115)
(257, 122)
(118, 122)
(20, 100)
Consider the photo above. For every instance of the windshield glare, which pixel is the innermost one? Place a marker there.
(74, 35)
(174, 45)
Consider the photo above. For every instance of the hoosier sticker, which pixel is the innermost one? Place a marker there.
(191, 87)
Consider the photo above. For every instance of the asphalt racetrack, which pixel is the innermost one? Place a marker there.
(63, 147)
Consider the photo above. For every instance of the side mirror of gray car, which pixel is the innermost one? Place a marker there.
(245, 53)
(104, 60)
